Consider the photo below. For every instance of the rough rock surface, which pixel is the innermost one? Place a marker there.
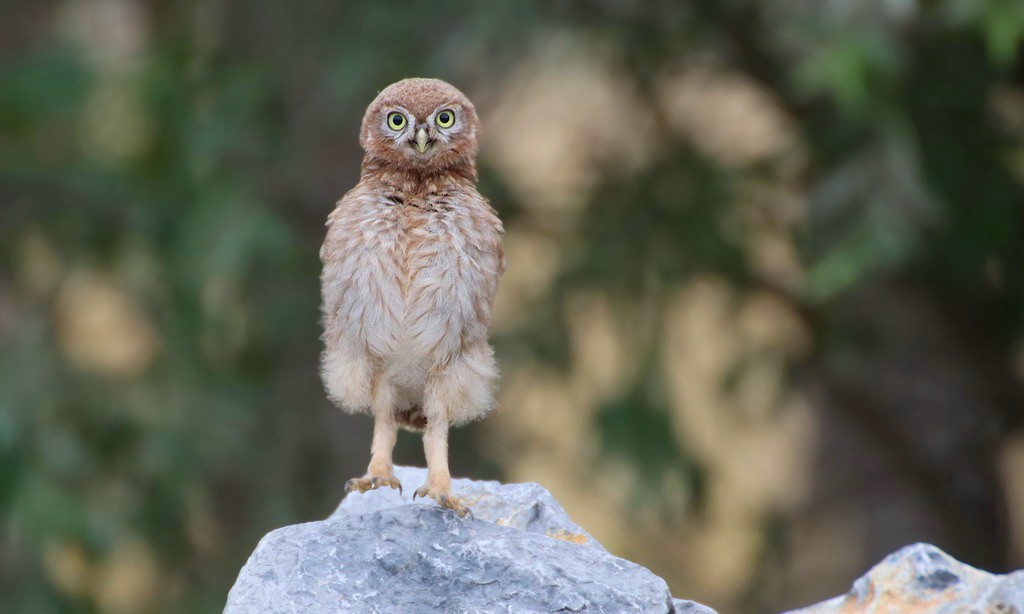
(380, 553)
(527, 507)
(922, 578)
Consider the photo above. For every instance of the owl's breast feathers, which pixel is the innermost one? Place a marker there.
(410, 274)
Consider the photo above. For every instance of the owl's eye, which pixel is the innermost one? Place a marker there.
(445, 118)
(396, 121)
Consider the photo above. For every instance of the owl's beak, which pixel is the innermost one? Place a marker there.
(421, 141)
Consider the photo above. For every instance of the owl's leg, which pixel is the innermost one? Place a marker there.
(385, 433)
(439, 480)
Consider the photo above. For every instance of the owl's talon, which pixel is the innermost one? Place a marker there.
(444, 499)
(369, 482)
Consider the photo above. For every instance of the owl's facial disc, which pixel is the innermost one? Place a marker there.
(435, 131)
(424, 138)
(421, 126)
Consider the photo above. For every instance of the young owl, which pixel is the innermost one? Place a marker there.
(411, 265)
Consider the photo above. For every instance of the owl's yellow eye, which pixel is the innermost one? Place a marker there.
(396, 121)
(445, 118)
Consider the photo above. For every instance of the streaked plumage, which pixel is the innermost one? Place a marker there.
(411, 261)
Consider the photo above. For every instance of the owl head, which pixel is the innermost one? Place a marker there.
(421, 125)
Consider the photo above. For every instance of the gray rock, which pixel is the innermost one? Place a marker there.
(527, 507)
(922, 578)
(422, 559)
(381, 553)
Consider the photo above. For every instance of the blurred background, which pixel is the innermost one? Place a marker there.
(761, 325)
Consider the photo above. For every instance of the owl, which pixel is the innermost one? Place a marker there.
(411, 264)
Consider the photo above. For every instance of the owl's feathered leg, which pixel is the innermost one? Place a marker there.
(439, 480)
(385, 433)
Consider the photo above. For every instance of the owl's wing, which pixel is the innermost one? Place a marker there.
(330, 242)
(343, 255)
(488, 253)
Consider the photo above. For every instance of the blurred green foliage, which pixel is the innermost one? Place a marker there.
(191, 171)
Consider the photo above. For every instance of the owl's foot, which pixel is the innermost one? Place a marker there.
(444, 498)
(373, 482)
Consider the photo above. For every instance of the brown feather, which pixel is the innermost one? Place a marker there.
(412, 260)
